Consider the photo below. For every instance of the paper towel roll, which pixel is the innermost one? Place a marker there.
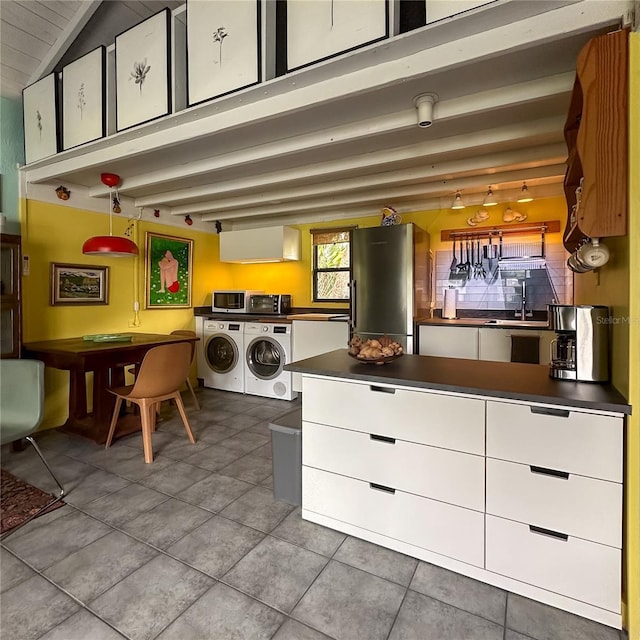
(449, 304)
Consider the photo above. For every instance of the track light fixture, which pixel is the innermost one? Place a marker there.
(525, 196)
(489, 199)
(458, 203)
(424, 104)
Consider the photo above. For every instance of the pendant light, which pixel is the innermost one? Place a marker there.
(525, 196)
(110, 246)
(489, 199)
(457, 203)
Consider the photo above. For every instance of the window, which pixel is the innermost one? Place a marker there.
(331, 264)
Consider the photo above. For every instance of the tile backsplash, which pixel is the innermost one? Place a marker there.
(497, 285)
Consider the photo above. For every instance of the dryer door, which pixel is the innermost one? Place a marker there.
(265, 358)
(221, 353)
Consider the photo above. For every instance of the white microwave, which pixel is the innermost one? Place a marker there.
(231, 300)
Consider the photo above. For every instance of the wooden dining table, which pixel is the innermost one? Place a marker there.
(107, 361)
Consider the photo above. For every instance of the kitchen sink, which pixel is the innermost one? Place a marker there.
(518, 323)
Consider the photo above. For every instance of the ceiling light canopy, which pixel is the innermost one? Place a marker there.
(525, 196)
(424, 105)
(490, 199)
(458, 202)
(110, 246)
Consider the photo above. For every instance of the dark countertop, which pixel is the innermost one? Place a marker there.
(513, 381)
(485, 323)
(340, 315)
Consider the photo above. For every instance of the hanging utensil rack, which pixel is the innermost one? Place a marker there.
(500, 232)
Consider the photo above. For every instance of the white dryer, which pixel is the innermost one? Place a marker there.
(220, 355)
(267, 350)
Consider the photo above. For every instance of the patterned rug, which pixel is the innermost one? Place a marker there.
(20, 500)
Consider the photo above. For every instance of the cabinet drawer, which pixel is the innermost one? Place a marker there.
(583, 570)
(436, 473)
(572, 441)
(576, 505)
(442, 528)
(444, 421)
(450, 342)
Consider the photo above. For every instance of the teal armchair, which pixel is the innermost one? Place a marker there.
(21, 410)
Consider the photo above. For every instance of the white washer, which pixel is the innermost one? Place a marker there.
(268, 349)
(220, 355)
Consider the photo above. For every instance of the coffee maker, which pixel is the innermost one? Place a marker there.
(580, 350)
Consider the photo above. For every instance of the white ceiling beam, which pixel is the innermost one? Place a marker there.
(385, 195)
(83, 14)
(468, 106)
(329, 214)
(424, 175)
(189, 125)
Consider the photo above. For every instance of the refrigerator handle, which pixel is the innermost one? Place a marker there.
(352, 293)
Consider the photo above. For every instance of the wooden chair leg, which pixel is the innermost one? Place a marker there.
(146, 413)
(183, 415)
(114, 420)
(193, 393)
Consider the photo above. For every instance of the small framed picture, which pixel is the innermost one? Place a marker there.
(325, 28)
(143, 72)
(83, 99)
(223, 47)
(80, 284)
(168, 269)
(39, 103)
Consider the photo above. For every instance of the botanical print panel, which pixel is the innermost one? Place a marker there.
(318, 29)
(142, 72)
(83, 99)
(40, 122)
(222, 47)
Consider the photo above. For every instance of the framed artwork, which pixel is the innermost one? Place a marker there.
(79, 284)
(39, 104)
(143, 72)
(83, 99)
(325, 28)
(168, 268)
(223, 47)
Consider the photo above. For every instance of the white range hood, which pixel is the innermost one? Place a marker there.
(269, 244)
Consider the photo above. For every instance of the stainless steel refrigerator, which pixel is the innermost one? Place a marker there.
(391, 283)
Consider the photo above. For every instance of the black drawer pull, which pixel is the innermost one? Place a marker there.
(386, 439)
(381, 487)
(373, 387)
(548, 532)
(547, 411)
(549, 472)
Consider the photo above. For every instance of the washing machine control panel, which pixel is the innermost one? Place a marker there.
(265, 328)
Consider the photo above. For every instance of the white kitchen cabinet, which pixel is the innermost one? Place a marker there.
(554, 500)
(448, 342)
(313, 337)
(396, 461)
(271, 244)
(495, 344)
(538, 511)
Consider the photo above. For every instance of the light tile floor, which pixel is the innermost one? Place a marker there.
(194, 547)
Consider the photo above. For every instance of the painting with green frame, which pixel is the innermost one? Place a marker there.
(168, 268)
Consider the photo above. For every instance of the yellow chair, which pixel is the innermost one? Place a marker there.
(190, 334)
(161, 373)
(21, 410)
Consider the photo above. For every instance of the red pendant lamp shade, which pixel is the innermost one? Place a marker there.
(110, 246)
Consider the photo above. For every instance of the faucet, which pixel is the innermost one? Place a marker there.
(522, 312)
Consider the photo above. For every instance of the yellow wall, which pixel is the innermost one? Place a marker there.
(632, 480)
(617, 285)
(55, 233)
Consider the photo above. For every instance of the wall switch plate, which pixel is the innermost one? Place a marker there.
(25, 265)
